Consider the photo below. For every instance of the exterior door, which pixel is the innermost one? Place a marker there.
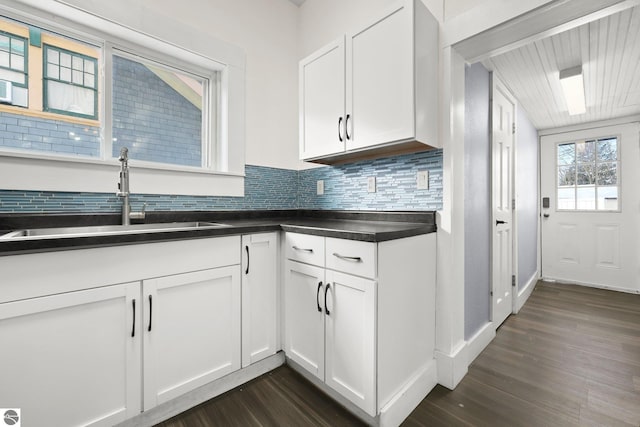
(590, 216)
(503, 133)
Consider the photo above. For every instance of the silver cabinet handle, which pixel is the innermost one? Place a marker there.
(302, 249)
(348, 258)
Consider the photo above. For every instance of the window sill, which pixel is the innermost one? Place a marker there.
(30, 172)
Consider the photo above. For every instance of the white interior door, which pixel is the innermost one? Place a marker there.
(503, 133)
(590, 224)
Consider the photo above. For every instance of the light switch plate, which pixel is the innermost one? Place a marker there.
(423, 180)
(371, 184)
(320, 187)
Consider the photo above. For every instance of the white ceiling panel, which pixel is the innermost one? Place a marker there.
(608, 50)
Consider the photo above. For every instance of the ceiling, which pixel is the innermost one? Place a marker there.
(608, 50)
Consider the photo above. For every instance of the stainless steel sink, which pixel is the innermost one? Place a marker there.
(104, 230)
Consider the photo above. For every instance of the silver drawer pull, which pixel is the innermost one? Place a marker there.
(302, 249)
(348, 258)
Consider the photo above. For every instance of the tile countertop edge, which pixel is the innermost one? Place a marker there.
(370, 230)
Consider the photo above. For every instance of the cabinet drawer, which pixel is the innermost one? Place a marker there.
(305, 248)
(352, 257)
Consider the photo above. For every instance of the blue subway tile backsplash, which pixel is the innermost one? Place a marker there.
(345, 188)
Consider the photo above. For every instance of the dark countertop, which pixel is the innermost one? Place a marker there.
(354, 225)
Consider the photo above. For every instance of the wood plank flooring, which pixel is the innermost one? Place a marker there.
(571, 357)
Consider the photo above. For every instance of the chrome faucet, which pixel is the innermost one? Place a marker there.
(123, 190)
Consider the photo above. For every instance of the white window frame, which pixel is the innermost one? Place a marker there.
(618, 172)
(51, 172)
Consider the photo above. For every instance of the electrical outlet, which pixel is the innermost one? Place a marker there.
(371, 184)
(423, 180)
(320, 187)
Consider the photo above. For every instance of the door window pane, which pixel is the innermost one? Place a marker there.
(608, 198)
(588, 175)
(566, 198)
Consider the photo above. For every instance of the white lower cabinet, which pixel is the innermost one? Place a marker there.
(73, 358)
(259, 297)
(330, 329)
(191, 331)
(360, 316)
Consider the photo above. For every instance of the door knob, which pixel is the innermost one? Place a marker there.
(546, 215)
(500, 222)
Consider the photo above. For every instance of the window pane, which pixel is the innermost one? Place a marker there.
(90, 80)
(586, 198)
(17, 62)
(77, 77)
(53, 71)
(566, 154)
(65, 74)
(65, 59)
(586, 151)
(4, 59)
(12, 76)
(74, 99)
(89, 66)
(566, 198)
(4, 43)
(53, 56)
(608, 149)
(586, 174)
(17, 46)
(608, 173)
(77, 63)
(566, 175)
(608, 198)
(157, 112)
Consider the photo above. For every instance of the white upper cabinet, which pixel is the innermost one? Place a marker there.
(374, 90)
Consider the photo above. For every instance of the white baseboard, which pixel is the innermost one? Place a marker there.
(480, 341)
(404, 402)
(525, 293)
(452, 367)
(591, 285)
(200, 395)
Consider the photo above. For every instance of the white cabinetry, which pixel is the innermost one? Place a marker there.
(83, 344)
(372, 89)
(330, 316)
(73, 358)
(191, 331)
(360, 317)
(259, 296)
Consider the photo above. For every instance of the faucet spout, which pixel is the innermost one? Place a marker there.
(123, 189)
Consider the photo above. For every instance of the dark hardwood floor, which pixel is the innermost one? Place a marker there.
(571, 357)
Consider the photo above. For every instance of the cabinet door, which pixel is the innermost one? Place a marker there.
(304, 316)
(380, 80)
(191, 331)
(322, 88)
(350, 338)
(259, 303)
(72, 359)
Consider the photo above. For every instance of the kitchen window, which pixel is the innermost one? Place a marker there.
(588, 175)
(95, 86)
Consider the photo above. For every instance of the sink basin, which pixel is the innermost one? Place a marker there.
(104, 230)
